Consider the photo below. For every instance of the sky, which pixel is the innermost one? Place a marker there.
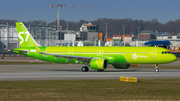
(29, 10)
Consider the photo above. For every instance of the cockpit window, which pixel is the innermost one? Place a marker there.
(166, 52)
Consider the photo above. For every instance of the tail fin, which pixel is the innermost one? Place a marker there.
(25, 38)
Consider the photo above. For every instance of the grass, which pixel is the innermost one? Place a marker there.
(90, 90)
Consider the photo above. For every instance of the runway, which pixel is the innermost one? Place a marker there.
(73, 72)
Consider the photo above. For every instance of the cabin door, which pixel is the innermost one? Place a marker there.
(99, 52)
(71, 51)
(37, 54)
(153, 53)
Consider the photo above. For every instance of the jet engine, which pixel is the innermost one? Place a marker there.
(99, 64)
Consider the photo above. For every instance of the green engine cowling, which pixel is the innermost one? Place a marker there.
(121, 66)
(99, 64)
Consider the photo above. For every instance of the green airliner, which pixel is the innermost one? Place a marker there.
(93, 57)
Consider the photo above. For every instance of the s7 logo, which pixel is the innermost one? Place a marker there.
(22, 39)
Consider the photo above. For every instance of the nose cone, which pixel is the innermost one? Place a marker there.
(172, 58)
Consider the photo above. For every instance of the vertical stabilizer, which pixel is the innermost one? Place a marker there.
(25, 38)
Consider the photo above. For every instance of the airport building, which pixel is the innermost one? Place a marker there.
(170, 38)
(146, 35)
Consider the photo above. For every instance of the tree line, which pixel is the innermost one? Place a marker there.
(114, 26)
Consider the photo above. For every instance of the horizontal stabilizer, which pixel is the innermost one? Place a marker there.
(23, 51)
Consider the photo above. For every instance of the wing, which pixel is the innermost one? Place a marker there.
(70, 57)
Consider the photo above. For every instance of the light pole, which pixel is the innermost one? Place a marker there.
(138, 35)
(106, 31)
(124, 34)
(119, 38)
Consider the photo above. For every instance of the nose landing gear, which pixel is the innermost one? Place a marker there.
(156, 68)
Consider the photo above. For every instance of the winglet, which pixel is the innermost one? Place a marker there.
(37, 49)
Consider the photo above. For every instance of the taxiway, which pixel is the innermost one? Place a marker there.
(73, 72)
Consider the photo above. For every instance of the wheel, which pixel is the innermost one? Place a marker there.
(100, 70)
(84, 69)
(157, 70)
(87, 69)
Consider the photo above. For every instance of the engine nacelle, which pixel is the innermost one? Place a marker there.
(99, 64)
(121, 66)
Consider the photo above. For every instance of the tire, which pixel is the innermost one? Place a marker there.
(84, 69)
(156, 70)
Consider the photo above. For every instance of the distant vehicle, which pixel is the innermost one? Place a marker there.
(163, 43)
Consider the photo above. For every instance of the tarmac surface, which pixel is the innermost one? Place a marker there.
(73, 72)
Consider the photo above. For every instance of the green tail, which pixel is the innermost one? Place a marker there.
(25, 38)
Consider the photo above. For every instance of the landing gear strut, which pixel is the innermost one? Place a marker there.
(156, 68)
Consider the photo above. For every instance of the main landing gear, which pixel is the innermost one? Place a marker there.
(156, 68)
(84, 69)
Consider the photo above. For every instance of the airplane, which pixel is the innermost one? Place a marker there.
(94, 57)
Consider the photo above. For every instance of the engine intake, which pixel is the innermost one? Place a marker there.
(99, 64)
